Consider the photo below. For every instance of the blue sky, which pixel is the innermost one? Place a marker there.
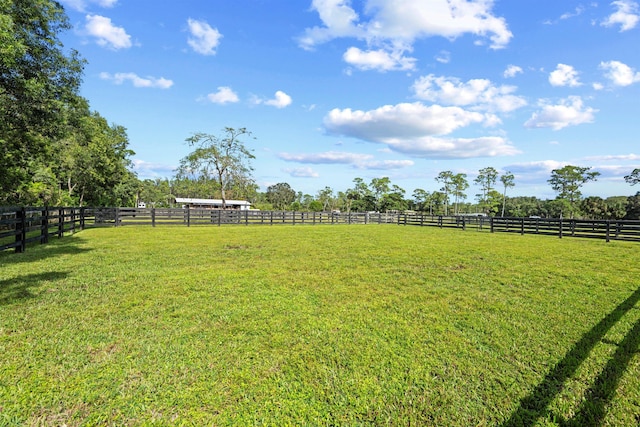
(338, 89)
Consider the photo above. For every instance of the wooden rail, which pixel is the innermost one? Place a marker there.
(20, 226)
(586, 228)
(595, 229)
(26, 225)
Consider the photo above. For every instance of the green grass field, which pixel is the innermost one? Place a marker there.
(324, 325)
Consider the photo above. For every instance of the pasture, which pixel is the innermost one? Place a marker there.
(326, 325)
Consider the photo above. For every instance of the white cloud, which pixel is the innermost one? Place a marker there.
(481, 94)
(512, 71)
(339, 20)
(224, 95)
(412, 129)
(328, 157)
(620, 74)
(204, 39)
(564, 75)
(280, 100)
(146, 169)
(305, 172)
(137, 81)
(545, 166)
(81, 5)
(569, 112)
(393, 26)
(455, 148)
(380, 60)
(357, 160)
(577, 12)
(401, 121)
(444, 57)
(108, 35)
(627, 157)
(626, 15)
(385, 164)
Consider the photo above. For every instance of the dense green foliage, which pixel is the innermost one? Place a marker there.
(324, 325)
(567, 182)
(54, 149)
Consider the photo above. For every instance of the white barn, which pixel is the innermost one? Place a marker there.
(241, 205)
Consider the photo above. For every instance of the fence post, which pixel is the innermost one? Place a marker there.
(153, 217)
(522, 226)
(21, 230)
(189, 216)
(560, 229)
(73, 220)
(117, 215)
(246, 217)
(44, 233)
(491, 223)
(60, 222)
(608, 229)
(82, 218)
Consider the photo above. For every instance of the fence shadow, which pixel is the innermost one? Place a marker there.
(593, 409)
(35, 252)
(20, 288)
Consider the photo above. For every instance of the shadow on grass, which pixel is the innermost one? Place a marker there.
(36, 251)
(20, 288)
(593, 409)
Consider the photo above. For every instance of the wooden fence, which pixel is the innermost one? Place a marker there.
(21, 226)
(586, 228)
(177, 216)
(595, 229)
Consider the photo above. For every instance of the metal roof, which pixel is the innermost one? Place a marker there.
(212, 201)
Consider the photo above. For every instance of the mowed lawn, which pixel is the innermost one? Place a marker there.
(320, 325)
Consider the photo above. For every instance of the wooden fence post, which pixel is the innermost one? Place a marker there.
(189, 216)
(522, 226)
(117, 215)
(60, 222)
(21, 230)
(491, 224)
(608, 229)
(82, 218)
(44, 233)
(153, 217)
(560, 229)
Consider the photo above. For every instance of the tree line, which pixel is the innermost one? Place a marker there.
(381, 195)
